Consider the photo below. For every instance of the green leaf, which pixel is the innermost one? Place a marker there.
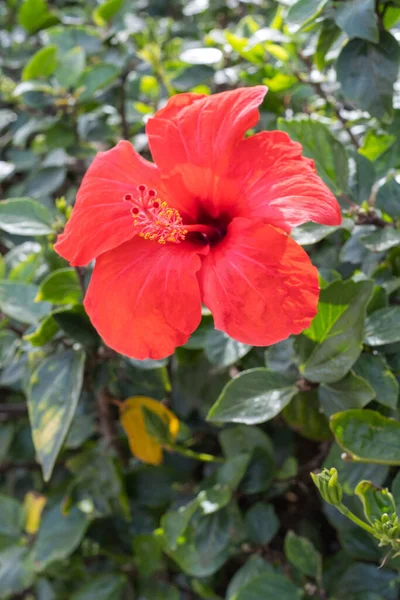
(388, 198)
(318, 143)
(339, 330)
(302, 554)
(254, 396)
(192, 76)
(374, 369)
(53, 396)
(109, 586)
(350, 392)
(59, 535)
(303, 11)
(381, 240)
(383, 327)
(232, 472)
(44, 332)
(375, 144)
(358, 19)
(367, 73)
(311, 233)
(76, 324)
(242, 440)
(70, 67)
(269, 586)
(329, 33)
(61, 287)
(158, 590)
(368, 436)
(16, 571)
(23, 216)
(42, 64)
(12, 519)
(222, 351)
(262, 523)
(376, 501)
(104, 13)
(253, 568)
(304, 415)
(17, 300)
(363, 179)
(34, 15)
(96, 78)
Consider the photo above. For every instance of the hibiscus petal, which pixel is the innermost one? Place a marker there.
(101, 219)
(144, 297)
(279, 185)
(259, 284)
(192, 140)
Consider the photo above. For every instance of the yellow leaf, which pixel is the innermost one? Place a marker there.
(33, 504)
(143, 445)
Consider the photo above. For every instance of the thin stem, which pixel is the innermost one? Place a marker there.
(196, 455)
(347, 513)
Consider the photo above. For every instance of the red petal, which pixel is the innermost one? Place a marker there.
(144, 297)
(279, 185)
(192, 141)
(101, 219)
(259, 284)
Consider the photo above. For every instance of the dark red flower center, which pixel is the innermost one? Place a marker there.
(158, 222)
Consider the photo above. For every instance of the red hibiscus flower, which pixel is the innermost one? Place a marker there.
(207, 223)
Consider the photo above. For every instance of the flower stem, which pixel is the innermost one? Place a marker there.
(347, 513)
(196, 455)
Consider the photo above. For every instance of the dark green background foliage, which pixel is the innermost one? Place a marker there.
(77, 76)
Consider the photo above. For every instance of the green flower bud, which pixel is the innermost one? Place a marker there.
(328, 486)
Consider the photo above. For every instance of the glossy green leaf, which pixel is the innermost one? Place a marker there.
(367, 72)
(44, 332)
(339, 330)
(303, 555)
(383, 327)
(254, 396)
(52, 399)
(61, 287)
(252, 569)
(223, 351)
(103, 587)
(243, 440)
(34, 15)
(17, 300)
(23, 216)
(374, 369)
(11, 520)
(350, 392)
(375, 144)
(42, 64)
(381, 240)
(16, 571)
(104, 13)
(368, 436)
(358, 19)
(303, 11)
(304, 415)
(269, 586)
(262, 523)
(59, 535)
(388, 198)
(70, 67)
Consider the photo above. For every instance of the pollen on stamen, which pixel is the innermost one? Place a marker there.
(154, 218)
